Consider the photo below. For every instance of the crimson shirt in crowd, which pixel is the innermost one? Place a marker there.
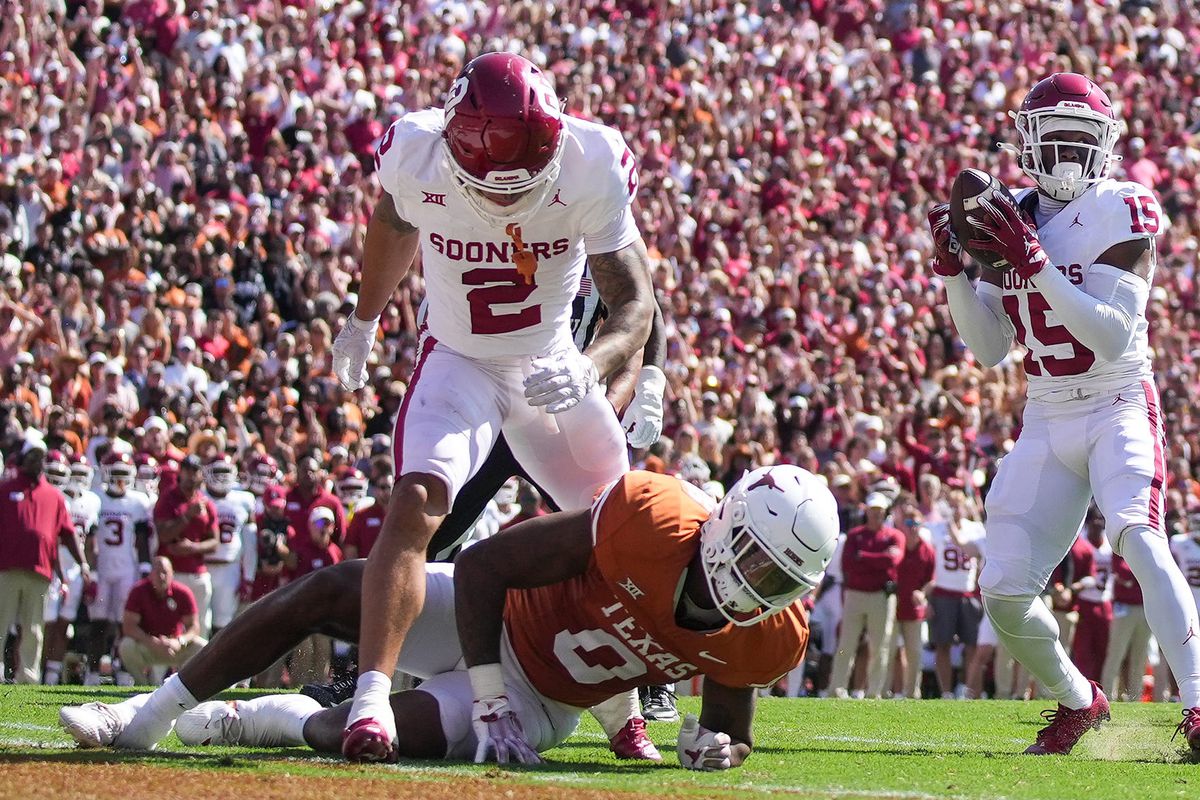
(1125, 587)
(915, 570)
(161, 616)
(310, 557)
(33, 515)
(365, 527)
(866, 564)
(270, 532)
(300, 505)
(173, 505)
(1079, 563)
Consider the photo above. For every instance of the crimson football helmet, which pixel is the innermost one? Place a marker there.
(57, 470)
(767, 543)
(147, 474)
(261, 472)
(351, 486)
(503, 135)
(1065, 101)
(220, 475)
(81, 472)
(117, 473)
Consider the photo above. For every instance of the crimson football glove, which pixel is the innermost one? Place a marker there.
(1004, 231)
(947, 253)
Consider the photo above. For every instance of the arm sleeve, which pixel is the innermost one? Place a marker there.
(980, 319)
(1103, 313)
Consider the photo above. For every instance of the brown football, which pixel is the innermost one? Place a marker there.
(968, 188)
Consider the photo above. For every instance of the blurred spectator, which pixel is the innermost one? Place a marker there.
(913, 577)
(870, 559)
(161, 627)
(364, 528)
(1093, 603)
(955, 606)
(188, 530)
(33, 520)
(309, 551)
(1125, 662)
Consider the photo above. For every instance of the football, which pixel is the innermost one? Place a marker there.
(968, 188)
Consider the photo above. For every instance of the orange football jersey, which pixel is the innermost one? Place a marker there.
(613, 628)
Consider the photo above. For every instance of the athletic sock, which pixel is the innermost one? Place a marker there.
(1026, 627)
(613, 713)
(1168, 604)
(276, 720)
(372, 700)
(156, 714)
(53, 673)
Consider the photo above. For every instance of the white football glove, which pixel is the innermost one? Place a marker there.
(643, 420)
(350, 350)
(560, 380)
(702, 749)
(498, 731)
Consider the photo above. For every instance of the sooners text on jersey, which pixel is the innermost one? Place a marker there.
(480, 304)
(1109, 213)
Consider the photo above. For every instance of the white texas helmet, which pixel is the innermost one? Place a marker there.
(767, 543)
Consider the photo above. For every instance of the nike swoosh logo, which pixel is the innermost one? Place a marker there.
(711, 657)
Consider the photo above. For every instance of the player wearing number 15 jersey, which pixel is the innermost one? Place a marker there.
(504, 196)
(1080, 258)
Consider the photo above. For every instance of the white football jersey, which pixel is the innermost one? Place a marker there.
(479, 304)
(1187, 554)
(85, 515)
(954, 570)
(234, 512)
(1103, 563)
(116, 542)
(1057, 365)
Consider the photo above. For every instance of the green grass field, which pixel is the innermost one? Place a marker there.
(809, 748)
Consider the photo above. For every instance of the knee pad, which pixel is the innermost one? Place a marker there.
(1021, 617)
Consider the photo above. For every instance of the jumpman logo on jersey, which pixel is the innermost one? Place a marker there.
(1119, 400)
(1075, 222)
(557, 199)
(1191, 633)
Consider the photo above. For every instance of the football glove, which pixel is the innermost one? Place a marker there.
(560, 380)
(1004, 231)
(643, 420)
(947, 252)
(702, 749)
(499, 733)
(350, 351)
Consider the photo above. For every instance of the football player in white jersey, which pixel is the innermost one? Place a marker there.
(121, 543)
(351, 486)
(953, 596)
(62, 601)
(1185, 546)
(505, 197)
(1078, 253)
(235, 560)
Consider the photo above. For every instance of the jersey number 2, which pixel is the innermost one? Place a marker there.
(498, 286)
(1037, 335)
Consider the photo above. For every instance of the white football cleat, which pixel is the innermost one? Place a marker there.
(217, 723)
(92, 724)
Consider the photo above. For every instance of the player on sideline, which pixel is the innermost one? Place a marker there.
(504, 196)
(233, 564)
(1081, 256)
(653, 583)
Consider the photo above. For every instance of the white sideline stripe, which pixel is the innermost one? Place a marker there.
(29, 726)
(783, 789)
(902, 742)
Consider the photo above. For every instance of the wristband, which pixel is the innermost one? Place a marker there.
(362, 325)
(487, 681)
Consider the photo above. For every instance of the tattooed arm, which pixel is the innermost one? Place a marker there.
(388, 252)
(623, 278)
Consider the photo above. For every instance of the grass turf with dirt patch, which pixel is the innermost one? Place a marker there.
(809, 748)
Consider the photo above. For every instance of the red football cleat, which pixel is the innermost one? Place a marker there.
(367, 740)
(1068, 725)
(632, 742)
(1190, 728)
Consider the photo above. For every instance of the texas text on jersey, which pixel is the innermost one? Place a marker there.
(614, 627)
(1056, 364)
(484, 300)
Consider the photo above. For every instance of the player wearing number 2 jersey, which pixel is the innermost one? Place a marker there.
(504, 196)
(1080, 258)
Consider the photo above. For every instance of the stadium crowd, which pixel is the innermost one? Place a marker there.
(184, 186)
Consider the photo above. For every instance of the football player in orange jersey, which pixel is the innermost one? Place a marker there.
(652, 583)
